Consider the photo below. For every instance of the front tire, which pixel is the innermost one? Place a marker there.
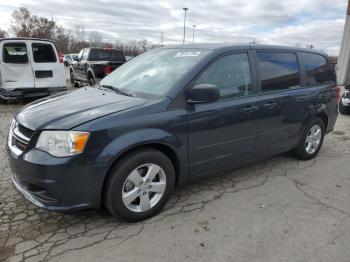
(139, 185)
(311, 140)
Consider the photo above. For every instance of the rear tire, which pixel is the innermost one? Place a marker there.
(311, 140)
(91, 80)
(72, 80)
(139, 185)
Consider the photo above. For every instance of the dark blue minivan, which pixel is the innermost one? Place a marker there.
(168, 116)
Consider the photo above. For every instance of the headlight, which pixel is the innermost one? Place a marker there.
(62, 143)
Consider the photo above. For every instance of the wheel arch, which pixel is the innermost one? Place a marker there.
(90, 72)
(162, 147)
(324, 118)
(320, 112)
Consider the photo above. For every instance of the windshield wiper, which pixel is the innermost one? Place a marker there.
(117, 90)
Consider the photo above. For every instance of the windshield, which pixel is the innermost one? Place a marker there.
(154, 73)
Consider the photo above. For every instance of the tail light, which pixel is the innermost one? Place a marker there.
(60, 57)
(107, 69)
(338, 93)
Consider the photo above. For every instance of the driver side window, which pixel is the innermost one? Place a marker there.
(231, 74)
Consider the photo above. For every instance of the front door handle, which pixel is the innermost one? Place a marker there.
(270, 105)
(250, 109)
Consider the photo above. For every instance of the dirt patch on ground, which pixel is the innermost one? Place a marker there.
(6, 252)
(338, 133)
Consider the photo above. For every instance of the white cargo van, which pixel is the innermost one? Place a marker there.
(30, 67)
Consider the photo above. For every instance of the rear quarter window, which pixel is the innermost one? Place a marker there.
(15, 53)
(318, 69)
(106, 55)
(43, 53)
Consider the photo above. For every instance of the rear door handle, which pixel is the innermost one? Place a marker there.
(270, 105)
(250, 109)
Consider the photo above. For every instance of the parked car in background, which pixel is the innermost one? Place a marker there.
(128, 57)
(29, 67)
(68, 59)
(93, 64)
(344, 103)
(168, 116)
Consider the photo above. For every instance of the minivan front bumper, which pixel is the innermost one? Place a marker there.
(21, 93)
(56, 184)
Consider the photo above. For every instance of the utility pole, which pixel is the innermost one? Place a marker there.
(343, 69)
(185, 10)
(194, 28)
(161, 38)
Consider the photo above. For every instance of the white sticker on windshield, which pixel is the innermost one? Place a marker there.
(187, 54)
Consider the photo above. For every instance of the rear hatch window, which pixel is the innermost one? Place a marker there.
(43, 53)
(15, 53)
(107, 55)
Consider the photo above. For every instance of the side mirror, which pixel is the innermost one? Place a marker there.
(203, 93)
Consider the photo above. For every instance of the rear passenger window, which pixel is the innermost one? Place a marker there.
(278, 70)
(15, 53)
(231, 74)
(318, 71)
(106, 55)
(43, 53)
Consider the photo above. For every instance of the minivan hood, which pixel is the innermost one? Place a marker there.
(67, 110)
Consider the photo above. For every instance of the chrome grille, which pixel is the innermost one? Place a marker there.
(19, 137)
(25, 131)
(21, 145)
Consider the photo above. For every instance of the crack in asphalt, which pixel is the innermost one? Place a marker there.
(316, 200)
(27, 232)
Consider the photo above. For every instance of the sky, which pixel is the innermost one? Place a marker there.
(283, 22)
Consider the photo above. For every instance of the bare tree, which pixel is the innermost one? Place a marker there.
(310, 46)
(79, 32)
(25, 24)
(22, 24)
(62, 40)
(2, 33)
(43, 28)
(135, 47)
(95, 38)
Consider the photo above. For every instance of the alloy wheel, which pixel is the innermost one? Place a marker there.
(313, 139)
(144, 187)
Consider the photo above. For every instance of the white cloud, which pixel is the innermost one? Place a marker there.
(287, 22)
(323, 34)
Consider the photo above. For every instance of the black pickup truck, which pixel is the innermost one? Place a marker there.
(94, 63)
